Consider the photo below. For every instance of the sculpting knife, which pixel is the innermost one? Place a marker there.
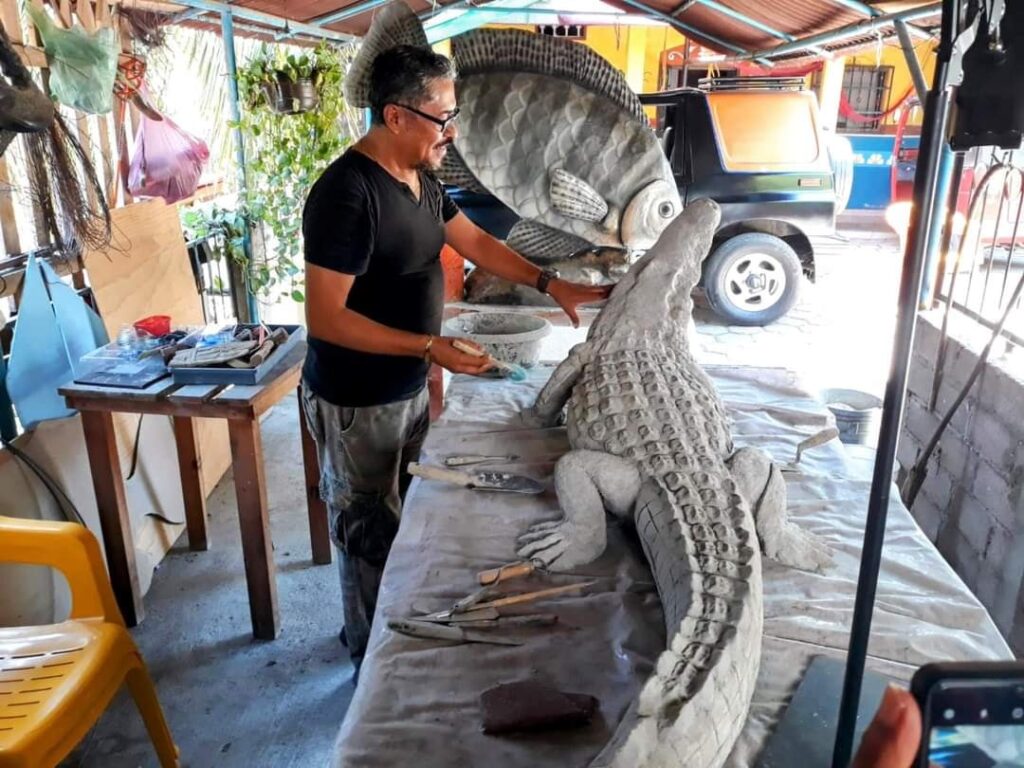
(478, 481)
(465, 460)
(429, 631)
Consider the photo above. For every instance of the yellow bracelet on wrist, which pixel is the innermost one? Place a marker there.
(426, 349)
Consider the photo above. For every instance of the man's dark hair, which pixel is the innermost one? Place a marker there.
(402, 75)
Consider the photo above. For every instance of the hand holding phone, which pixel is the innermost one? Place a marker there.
(972, 714)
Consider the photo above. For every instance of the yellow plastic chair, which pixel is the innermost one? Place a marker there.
(56, 680)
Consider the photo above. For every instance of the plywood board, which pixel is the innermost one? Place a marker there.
(40, 596)
(146, 271)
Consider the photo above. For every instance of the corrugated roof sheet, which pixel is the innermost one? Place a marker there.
(707, 24)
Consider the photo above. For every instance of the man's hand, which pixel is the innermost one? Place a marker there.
(893, 738)
(444, 354)
(571, 295)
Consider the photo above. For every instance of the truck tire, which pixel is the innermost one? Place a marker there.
(752, 279)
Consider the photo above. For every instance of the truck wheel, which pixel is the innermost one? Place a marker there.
(752, 279)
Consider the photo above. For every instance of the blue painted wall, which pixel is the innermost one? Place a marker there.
(872, 161)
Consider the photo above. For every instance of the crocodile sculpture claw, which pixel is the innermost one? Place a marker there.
(650, 440)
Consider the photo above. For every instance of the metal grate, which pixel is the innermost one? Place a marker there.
(985, 262)
(867, 89)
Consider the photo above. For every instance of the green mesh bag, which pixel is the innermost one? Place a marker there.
(82, 65)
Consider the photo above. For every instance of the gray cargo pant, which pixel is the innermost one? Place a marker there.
(363, 456)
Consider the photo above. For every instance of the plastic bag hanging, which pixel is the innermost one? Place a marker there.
(82, 64)
(167, 162)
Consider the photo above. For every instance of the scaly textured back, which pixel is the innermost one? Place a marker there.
(395, 25)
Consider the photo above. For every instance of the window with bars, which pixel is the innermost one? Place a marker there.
(867, 90)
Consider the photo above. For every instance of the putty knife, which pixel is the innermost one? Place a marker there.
(478, 481)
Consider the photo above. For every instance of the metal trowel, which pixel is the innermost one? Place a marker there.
(478, 481)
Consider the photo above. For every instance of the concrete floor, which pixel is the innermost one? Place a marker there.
(232, 701)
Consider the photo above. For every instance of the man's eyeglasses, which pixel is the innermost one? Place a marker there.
(441, 122)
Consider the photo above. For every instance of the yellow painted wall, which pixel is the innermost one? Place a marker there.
(892, 55)
(616, 43)
(622, 46)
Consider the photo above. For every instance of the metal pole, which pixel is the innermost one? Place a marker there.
(912, 63)
(228, 32)
(936, 122)
(940, 216)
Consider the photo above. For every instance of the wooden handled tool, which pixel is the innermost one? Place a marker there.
(529, 597)
(505, 573)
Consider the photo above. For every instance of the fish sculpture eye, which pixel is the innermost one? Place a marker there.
(666, 210)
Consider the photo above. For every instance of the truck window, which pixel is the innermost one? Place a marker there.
(667, 123)
(765, 132)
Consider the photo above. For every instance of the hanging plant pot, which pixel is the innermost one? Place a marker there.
(288, 96)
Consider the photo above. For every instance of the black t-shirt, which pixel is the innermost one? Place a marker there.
(361, 220)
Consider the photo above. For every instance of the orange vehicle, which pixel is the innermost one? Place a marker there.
(756, 147)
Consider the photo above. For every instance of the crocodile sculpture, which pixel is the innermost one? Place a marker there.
(650, 437)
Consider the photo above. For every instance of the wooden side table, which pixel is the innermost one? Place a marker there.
(241, 406)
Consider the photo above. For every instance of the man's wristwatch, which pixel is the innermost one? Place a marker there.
(545, 278)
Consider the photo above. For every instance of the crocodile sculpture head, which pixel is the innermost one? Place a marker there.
(650, 441)
(652, 303)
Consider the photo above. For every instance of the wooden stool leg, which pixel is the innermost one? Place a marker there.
(187, 442)
(319, 532)
(105, 465)
(254, 520)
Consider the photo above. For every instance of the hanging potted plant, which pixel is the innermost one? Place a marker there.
(292, 87)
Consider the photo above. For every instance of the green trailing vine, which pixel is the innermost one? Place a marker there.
(284, 155)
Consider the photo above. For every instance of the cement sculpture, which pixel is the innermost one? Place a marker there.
(552, 130)
(650, 439)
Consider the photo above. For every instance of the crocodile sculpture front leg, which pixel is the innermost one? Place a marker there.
(588, 483)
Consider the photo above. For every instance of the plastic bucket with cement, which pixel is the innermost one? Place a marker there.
(511, 337)
(857, 414)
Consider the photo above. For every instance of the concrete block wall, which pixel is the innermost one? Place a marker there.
(971, 501)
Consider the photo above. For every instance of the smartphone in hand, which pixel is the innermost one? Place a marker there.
(972, 713)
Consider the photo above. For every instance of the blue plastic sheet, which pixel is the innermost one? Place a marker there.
(54, 329)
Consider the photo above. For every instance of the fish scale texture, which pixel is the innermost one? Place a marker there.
(517, 128)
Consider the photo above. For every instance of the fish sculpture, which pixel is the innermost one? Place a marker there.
(552, 130)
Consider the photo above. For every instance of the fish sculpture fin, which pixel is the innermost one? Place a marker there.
(542, 244)
(490, 50)
(573, 197)
(455, 171)
(395, 25)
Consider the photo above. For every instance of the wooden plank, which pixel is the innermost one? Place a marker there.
(105, 466)
(85, 15)
(85, 139)
(319, 530)
(10, 17)
(108, 178)
(195, 393)
(8, 221)
(190, 466)
(254, 521)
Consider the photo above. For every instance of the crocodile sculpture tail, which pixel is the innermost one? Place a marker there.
(692, 709)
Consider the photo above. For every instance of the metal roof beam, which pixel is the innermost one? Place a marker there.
(856, 29)
(683, 27)
(742, 18)
(276, 23)
(872, 12)
(347, 13)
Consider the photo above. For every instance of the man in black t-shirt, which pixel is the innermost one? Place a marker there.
(374, 225)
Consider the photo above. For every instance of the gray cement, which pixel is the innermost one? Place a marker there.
(232, 701)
